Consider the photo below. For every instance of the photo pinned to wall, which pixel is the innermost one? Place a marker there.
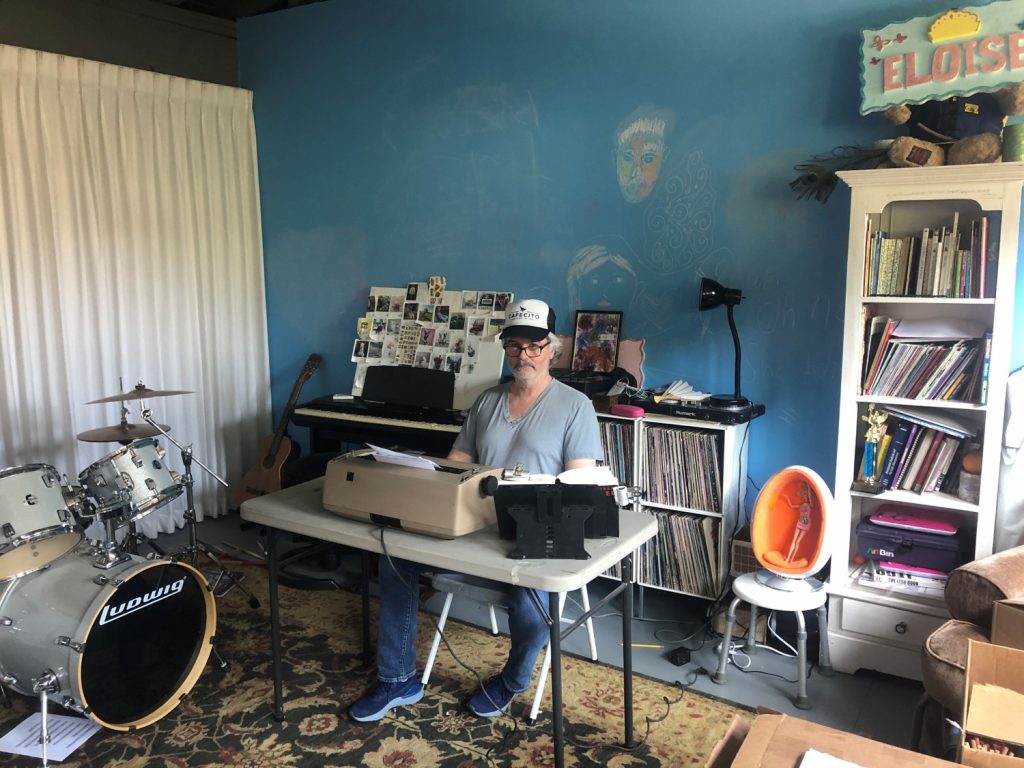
(390, 350)
(442, 313)
(454, 364)
(363, 327)
(359, 347)
(437, 359)
(426, 314)
(442, 337)
(494, 325)
(486, 301)
(422, 358)
(412, 291)
(427, 337)
(469, 299)
(435, 288)
(411, 311)
(457, 322)
(472, 348)
(501, 301)
(457, 343)
(596, 340)
(393, 325)
(378, 328)
(477, 325)
(374, 351)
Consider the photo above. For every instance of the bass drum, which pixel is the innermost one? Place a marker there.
(125, 643)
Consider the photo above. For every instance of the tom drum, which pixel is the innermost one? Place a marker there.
(37, 525)
(131, 482)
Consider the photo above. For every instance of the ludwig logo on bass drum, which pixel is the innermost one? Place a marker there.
(113, 613)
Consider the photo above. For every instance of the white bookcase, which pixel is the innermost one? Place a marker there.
(883, 629)
(691, 474)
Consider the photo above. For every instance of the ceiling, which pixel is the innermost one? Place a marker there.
(235, 9)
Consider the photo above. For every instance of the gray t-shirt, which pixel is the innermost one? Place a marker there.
(560, 427)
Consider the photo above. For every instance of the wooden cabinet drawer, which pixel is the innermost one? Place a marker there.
(889, 624)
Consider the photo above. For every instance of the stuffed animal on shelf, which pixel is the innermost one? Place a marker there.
(957, 131)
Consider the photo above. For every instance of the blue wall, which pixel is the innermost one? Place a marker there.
(475, 139)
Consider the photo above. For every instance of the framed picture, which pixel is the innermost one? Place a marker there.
(596, 341)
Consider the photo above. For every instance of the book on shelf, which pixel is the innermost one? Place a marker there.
(901, 463)
(898, 435)
(919, 451)
(921, 478)
(937, 419)
(891, 576)
(941, 464)
(986, 360)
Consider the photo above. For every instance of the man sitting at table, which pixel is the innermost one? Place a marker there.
(533, 420)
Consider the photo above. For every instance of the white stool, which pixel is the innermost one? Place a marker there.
(751, 591)
(483, 591)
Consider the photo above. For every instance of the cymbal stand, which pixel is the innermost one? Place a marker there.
(197, 545)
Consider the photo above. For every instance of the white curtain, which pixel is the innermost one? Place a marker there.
(130, 250)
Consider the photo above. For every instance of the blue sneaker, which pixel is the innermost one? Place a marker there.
(492, 699)
(384, 697)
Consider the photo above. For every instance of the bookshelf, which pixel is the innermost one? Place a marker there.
(691, 476)
(959, 292)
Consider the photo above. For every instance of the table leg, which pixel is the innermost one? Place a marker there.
(275, 622)
(626, 568)
(556, 678)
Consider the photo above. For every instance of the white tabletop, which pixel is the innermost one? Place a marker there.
(299, 510)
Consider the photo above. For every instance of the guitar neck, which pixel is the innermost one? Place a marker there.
(307, 370)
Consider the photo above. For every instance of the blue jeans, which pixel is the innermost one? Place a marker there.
(396, 631)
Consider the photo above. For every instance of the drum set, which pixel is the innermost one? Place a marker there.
(85, 623)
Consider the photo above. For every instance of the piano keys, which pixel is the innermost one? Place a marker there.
(338, 426)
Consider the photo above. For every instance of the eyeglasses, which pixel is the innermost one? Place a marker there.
(531, 350)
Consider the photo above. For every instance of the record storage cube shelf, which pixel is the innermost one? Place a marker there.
(690, 475)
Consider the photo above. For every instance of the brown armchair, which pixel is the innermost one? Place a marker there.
(970, 592)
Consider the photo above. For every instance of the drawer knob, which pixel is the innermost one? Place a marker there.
(901, 628)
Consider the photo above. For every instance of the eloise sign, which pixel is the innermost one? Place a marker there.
(962, 51)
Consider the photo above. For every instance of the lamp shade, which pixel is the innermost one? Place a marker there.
(714, 294)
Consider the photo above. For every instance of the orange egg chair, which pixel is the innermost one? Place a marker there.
(789, 535)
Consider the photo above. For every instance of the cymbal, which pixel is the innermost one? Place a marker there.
(123, 432)
(140, 392)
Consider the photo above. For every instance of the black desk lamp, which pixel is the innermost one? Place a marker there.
(713, 294)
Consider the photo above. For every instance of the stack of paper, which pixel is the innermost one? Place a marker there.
(681, 391)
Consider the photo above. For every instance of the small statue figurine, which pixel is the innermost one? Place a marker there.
(876, 430)
(803, 522)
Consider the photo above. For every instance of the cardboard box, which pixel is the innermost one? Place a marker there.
(993, 703)
(1008, 623)
(780, 741)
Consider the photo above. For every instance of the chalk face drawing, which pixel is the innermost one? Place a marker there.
(640, 150)
(601, 276)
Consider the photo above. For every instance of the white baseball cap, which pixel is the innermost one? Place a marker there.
(528, 319)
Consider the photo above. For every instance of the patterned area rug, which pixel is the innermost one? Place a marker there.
(227, 719)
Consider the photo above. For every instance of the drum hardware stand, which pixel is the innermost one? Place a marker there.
(47, 683)
(196, 545)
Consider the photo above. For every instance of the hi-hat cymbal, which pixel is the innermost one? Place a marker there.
(140, 392)
(121, 433)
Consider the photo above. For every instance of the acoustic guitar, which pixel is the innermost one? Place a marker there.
(275, 450)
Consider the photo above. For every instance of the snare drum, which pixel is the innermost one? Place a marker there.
(132, 481)
(36, 524)
(125, 643)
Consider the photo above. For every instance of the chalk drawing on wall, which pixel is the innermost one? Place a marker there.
(640, 150)
(679, 219)
(601, 276)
